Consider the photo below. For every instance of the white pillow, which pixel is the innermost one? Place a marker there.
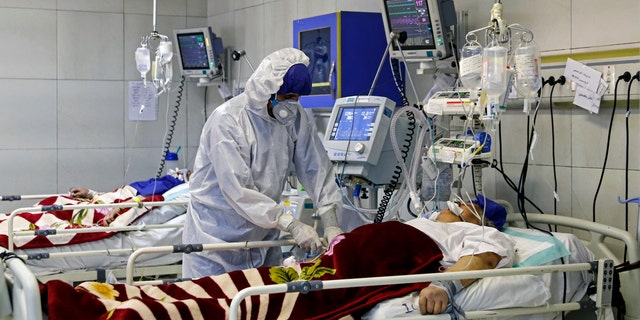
(486, 293)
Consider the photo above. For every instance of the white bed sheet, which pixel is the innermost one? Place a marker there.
(507, 292)
(168, 214)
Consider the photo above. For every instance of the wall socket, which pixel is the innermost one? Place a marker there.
(609, 76)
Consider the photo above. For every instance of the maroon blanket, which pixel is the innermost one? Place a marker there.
(390, 248)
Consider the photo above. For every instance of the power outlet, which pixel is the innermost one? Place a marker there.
(609, 76)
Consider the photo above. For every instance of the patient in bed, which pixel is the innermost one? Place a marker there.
(153, 186)
(450, 241)
(468, 236)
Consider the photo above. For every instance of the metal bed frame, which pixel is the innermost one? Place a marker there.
(27, 290)
(596, 244)
(84, 275)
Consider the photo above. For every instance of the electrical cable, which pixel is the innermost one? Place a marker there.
(561, 81)
(498, 165)
(171, 128)
(626, 77)
(525, 167)
(626, 163)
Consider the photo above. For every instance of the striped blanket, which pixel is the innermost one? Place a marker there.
(72, 219)
(390, 248)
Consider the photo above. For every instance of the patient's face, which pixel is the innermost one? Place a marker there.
(467, 214)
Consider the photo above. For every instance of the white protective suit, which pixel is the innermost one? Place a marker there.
(241, 168)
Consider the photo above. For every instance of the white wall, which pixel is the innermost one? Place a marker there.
(64, 77)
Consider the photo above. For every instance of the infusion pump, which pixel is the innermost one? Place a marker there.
(456, 151)
(453, 103)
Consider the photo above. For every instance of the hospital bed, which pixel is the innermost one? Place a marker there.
(549, 303)
(493, 297)
(101, 251)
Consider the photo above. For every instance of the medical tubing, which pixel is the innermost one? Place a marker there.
(395, 71)
(169, 135)
(395, 178)
(401, 154)
(606, 152)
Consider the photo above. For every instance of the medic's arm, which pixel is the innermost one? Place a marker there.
(313, 167)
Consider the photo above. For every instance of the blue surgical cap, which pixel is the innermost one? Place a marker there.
(493, 211)
(296, 80)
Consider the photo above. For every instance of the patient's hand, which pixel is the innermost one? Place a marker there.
(109, 217)
(79, 192)
(433, 300)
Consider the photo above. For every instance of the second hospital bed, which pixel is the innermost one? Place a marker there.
(89, 253)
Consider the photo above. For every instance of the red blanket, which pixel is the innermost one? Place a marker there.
(390, 248)
(72, 219)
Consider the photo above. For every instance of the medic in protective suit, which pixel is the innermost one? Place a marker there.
(247, 148)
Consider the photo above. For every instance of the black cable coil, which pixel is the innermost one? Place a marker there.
(172, 127)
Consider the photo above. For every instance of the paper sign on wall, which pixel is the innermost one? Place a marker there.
(143, 102)
(590, 87)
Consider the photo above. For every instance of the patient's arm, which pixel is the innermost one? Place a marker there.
(434, 300)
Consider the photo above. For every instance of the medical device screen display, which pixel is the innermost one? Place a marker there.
(354, 124)
(412, 16)
(193, 51)
(316, 44)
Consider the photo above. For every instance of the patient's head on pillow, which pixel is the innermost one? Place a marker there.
(494, 212)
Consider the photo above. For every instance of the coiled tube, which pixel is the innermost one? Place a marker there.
(172, 126)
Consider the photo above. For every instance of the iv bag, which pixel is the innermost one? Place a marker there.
(527, 59)
(494, 70)
(143, 60)
(471, 65)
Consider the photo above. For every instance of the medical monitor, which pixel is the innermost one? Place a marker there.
(426, 23)
(199, 52)
(357, 137)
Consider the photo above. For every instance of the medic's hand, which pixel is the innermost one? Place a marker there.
(433, 300)
(332, 232)
(329, 222)
(306, 237)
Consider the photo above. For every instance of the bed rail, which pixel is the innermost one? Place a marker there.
(306, 286)
(188, 248)
(630, 280)
(26, 197)
(11, 233)
(24, 291)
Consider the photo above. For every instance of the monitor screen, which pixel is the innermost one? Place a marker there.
(354, 124)
(412, 17)
(193, 51)
(426, 23)
(199, 52)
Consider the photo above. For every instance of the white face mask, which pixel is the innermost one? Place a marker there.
(286, 111)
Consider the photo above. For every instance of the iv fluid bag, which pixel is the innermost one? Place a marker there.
(527, 58)
(471, 66)
(494, 70)
(143, 60)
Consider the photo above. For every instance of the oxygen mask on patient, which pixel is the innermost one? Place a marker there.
(455, 208)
